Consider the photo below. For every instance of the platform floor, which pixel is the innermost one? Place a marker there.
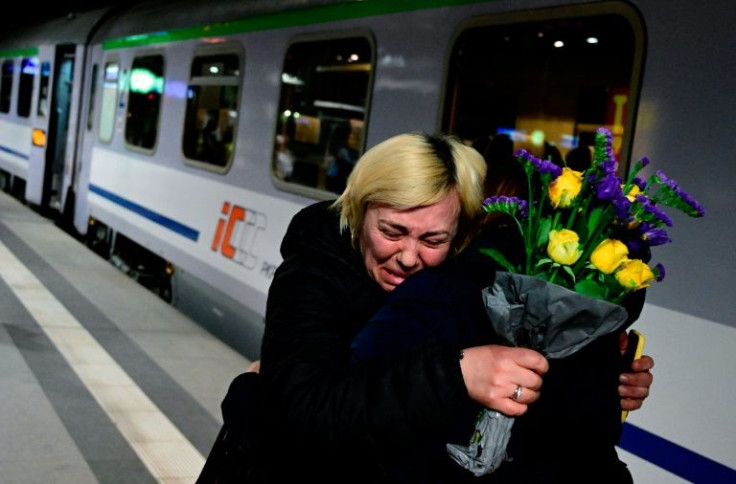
(100, 380)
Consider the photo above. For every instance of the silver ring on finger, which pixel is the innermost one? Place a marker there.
(517, 393)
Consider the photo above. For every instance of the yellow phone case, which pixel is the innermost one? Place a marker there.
(634, 351)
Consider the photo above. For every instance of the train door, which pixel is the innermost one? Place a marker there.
(54, 108)
(76, 204)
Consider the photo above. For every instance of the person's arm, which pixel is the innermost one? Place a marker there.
(317, 398)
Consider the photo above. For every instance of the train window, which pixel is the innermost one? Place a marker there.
(28, 70)
(544, 84)
(212, 109)
(6, 85)
(109, 102)
(92, 91)
(145, 88)
(325, 88)
(43, 91)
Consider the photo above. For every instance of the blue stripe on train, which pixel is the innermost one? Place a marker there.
(162, 220)
(14, 153)
(674, 458)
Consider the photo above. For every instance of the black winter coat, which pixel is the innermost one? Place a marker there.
(324, 418)
(568, 436)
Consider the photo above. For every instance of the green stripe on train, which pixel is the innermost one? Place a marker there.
(315, 15)
(19, 53)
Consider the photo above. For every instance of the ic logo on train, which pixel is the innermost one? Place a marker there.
(236, 233)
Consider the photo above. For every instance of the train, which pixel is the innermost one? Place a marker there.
(177, 139)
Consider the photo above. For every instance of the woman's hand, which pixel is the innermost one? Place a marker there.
(634, 387)
(503, 378)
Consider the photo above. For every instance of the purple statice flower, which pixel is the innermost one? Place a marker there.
(546, 166)
(622, 208)
(639, 183)
(653, 236)
(608, 187)
(643, 161)
(523, 154)
(672, 195)
(608, 165)
(505, 204)
(634, 245)
(697, 209)
(604, 136)
(654, 211)
(659, 271)
(661, 177)
(656, 236)
(542, 166)
(604, 158)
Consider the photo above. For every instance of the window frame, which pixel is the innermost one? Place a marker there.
(125, 91)
(337, 35)
(3, 81)
(26, 83)
(228, 47)
(115, 99)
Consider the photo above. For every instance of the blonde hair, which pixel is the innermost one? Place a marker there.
(413, 170)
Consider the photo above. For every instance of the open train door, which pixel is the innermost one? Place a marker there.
(50, 168)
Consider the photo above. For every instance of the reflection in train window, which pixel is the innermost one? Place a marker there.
(145, 89)
(28, 70)
(6, 85)
(546, 84)
(212, 109)
(108, 106)
(43, 90)
(325, 86)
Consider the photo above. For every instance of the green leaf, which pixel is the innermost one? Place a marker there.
(545, 226)
(591, 288)
(594, 218)
(569, 272)
(500, 258)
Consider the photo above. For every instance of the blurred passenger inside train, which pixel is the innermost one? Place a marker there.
(579, 158)
(505, 174)
(553, 154)
(411, 202)
(341, 158)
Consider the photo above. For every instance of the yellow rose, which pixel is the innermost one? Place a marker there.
(563, 246)
(609, 255)
(565, 187)
(634, 274)
(633, 192)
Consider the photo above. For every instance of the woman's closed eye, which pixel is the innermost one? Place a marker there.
(436, 243)
(391, 233)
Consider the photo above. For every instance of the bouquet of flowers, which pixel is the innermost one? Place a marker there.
(587, 238)
(579, 228)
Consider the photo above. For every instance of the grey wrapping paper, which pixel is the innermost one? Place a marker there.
(532, 313)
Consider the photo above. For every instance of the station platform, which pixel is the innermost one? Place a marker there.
(101, 381)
